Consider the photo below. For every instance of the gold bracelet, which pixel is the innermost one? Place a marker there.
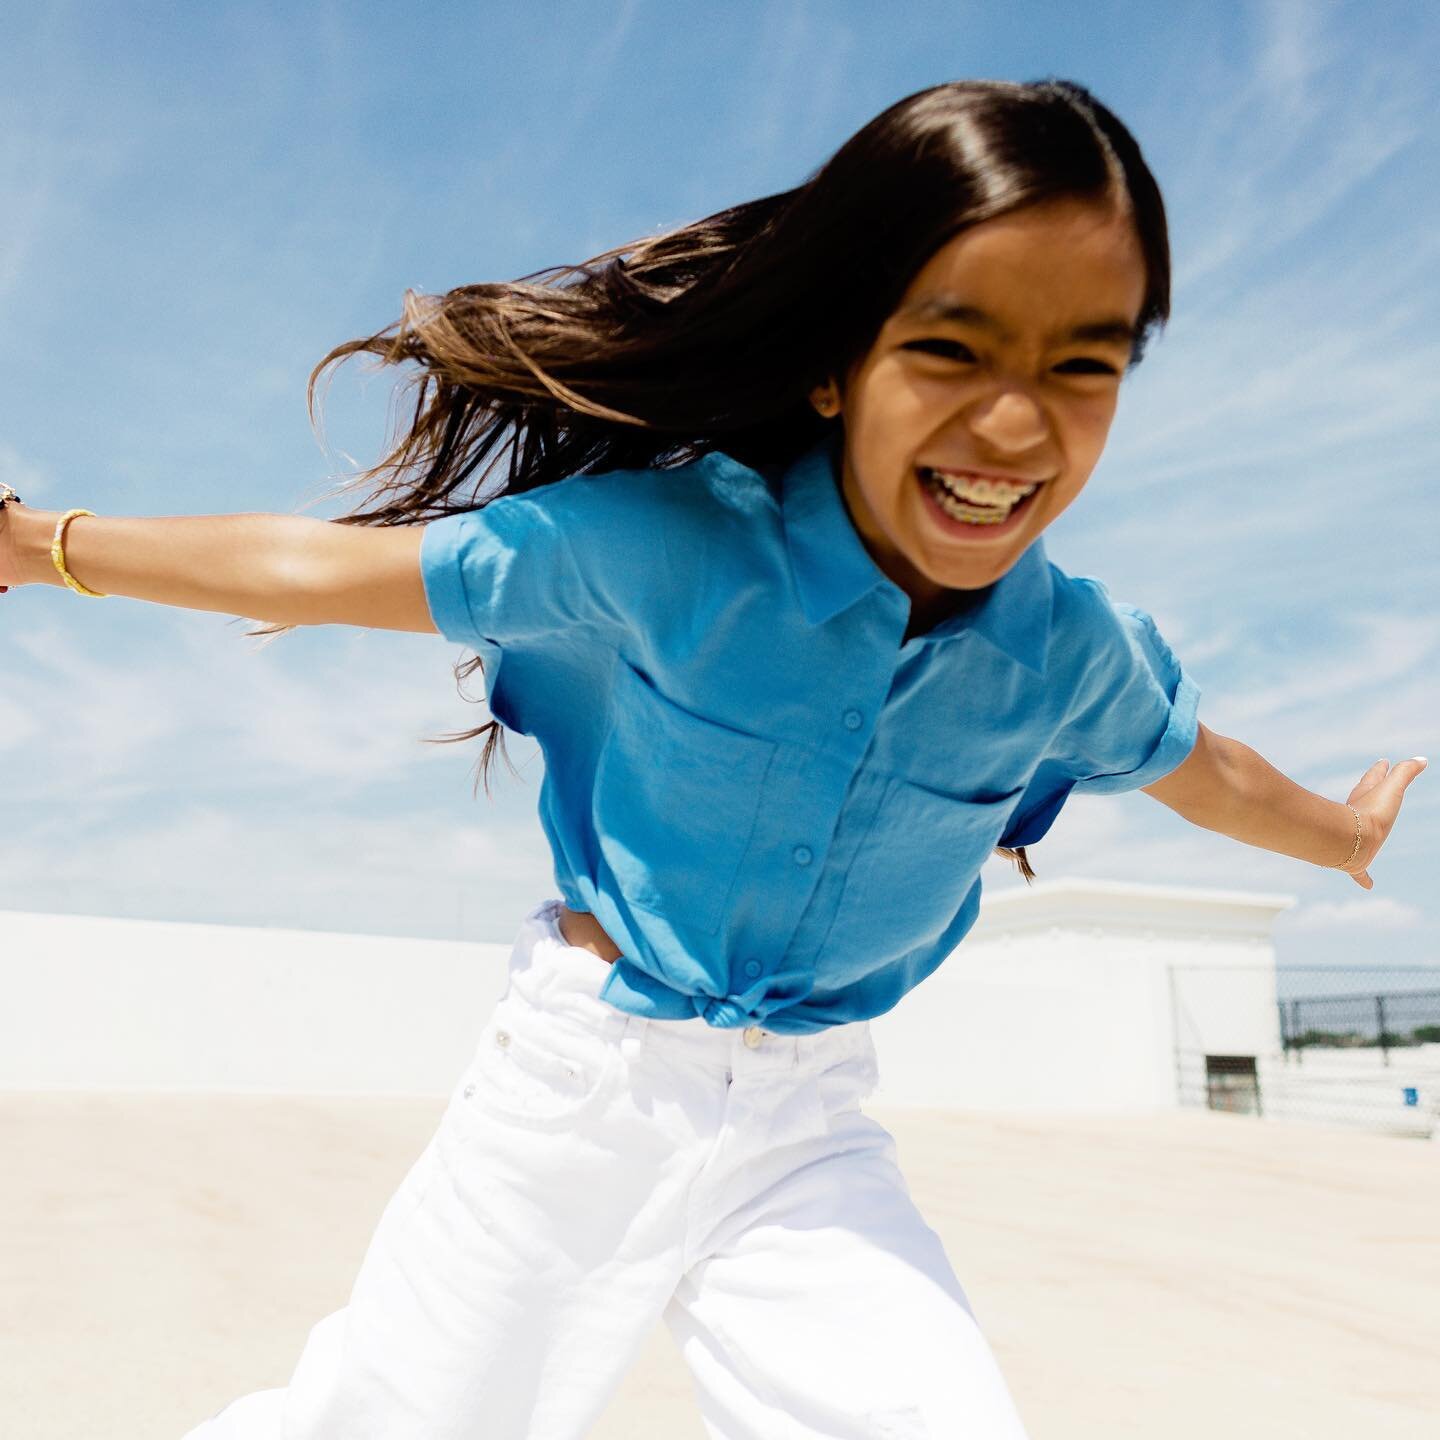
(57, 554)
(1356, 850)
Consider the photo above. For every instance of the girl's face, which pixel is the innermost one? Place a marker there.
(984, 403)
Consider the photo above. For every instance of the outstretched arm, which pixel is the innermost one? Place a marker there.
(284, 569)
(1226, 786)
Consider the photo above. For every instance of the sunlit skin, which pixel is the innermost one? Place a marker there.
(1024, 384)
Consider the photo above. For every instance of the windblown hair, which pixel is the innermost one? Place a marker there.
(711, 336)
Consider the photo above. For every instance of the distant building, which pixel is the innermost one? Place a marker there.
(1102, 995)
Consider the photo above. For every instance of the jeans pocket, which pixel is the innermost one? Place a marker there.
(848, 1081)
(532, 1072)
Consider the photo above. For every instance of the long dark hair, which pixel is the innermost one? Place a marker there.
(711, 336)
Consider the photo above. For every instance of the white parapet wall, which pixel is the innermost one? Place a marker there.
(93, 1003)
(1365, 1088)
(1063, 997)
(1060, 998)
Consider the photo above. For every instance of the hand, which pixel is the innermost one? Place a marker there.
(1377, 799)
(9, 555)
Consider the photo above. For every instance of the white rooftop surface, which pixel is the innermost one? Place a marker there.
(1181, 1274)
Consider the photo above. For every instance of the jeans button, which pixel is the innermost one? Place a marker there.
(752, 1036)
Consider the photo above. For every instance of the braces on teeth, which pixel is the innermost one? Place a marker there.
(1007, 496)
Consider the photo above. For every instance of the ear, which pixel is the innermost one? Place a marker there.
(826, 399)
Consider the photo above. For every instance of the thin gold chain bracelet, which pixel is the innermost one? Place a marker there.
(1356, 850)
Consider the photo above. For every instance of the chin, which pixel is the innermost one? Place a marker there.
(977, 574)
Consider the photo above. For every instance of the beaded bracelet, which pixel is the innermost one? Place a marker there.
(57, 554)
(6, 494)
(1356, 850)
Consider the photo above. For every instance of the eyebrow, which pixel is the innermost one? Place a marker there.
(1116, 330)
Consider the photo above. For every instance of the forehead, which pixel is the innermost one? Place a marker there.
(1063, 261)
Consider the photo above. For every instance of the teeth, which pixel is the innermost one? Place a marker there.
(968, 513)
(980, 491)
(947, 490)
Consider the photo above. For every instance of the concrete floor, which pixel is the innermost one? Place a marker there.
(1176, 1276)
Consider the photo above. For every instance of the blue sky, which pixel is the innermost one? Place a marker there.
(196, 202)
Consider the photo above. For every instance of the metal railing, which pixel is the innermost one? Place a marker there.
(1355, 1046)
(1384, 1020)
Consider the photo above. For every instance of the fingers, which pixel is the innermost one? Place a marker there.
(1384, 806)
(1382, 770)
(1400, 776)
(1405, 770)
(1369, 780)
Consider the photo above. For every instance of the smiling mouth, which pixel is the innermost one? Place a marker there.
(975, 499)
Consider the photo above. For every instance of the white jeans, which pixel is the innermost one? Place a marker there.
(596, 1172)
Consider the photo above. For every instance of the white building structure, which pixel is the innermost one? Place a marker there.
(1078, 995)
(1073, 994)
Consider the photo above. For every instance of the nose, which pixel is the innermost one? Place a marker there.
(1009, 420)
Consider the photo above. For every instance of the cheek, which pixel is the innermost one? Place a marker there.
(1087, 428)
(889, 405)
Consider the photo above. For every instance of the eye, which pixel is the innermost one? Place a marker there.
(1086, 365)
(946, 349)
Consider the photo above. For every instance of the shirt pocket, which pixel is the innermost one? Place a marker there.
(918, 862)
(675, 800)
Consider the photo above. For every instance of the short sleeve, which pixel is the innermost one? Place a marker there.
(539, 578)
(507, 573)
(1131, 718)
(1140, 717)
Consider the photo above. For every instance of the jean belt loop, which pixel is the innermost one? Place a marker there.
(632, 1035)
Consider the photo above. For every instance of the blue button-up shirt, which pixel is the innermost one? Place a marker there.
(776, 809)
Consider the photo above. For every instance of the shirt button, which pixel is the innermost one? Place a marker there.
(853, 719)
(752, 1036)
(802, 854)
(752, 968)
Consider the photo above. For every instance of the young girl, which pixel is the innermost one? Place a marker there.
(743, 523)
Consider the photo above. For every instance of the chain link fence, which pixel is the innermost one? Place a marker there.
(1356, 1046)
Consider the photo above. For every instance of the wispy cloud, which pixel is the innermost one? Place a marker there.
(1283, 145)
(23, 476)
(590, 84)
(202, 778)
(1298, 364)
(27, 181)
(399, 874)
(202, 704)
(1381, 913)
(1384, 659)
(801, 62)
(1289, 54)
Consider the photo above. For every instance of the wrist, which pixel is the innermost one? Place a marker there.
(33, 530)
(1353, 829)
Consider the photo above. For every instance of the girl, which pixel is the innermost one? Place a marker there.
(743, 524)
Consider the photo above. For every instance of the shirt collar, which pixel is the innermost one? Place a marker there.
(833, 569)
